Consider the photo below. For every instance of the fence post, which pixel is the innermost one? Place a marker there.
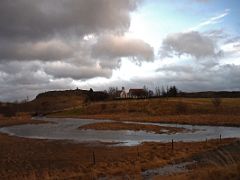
(94, 160)
(172, 144)
(138, 152)
(220, 137)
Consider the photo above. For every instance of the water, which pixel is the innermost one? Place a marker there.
(67, 129)
(166, 170)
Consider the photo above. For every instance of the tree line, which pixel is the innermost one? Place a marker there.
(169, 91)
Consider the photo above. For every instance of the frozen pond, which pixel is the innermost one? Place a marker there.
(67, 129)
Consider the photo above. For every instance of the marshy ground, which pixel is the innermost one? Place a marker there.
(22, 158)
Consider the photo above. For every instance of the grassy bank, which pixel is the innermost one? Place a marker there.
(172, 110)
(19, 119)
(43, 159)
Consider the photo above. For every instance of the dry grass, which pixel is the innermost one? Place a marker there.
(131, 126)
(41, 159)
(52, 103)
(19, 119)
(173, 110)
(221, 163)
(22, 158)
(232, 172)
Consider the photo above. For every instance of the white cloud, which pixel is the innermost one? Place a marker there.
(191, 43)
(211, 21)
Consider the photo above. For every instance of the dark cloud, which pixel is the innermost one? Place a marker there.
(67, 70)
(21, 79)
(208, 80)
(49, 42)
(120, 46)
(191, 43)
(53, 30)
(46, 29)
(34, 19)
(42, 50)
(12, 92)
(196, 77)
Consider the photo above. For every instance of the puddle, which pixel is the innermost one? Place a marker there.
(67, 129)
(166, 170)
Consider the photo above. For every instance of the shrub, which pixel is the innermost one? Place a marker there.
(181, 108)
(8, 111)
(216, 102)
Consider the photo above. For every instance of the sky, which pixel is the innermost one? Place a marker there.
(64, 44)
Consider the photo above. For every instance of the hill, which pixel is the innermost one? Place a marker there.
(53, 101)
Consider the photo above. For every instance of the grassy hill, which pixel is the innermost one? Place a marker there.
(53, 101)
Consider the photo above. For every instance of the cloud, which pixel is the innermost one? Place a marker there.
(216, 34)
(48, 42)
(194, 77)
(67, 70)
(20, 79)
(191, 43)
(34, 19)
(211, 21)
(47, 29)
(52, 44)
(187, 77)
(42, 50)
(231, 47)
(120, 46)
(12, 92)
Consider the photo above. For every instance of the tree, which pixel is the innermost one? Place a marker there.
(91, 90)
(150, 93)
(157, 91)
(146, 91)
(164, 93)
(112, 91)
(8, 110)
(172, 91)
(216, 102)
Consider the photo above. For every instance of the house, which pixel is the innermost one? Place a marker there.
(123, 93)
(137, 93)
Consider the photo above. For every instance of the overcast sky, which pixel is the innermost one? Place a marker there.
(64, 44)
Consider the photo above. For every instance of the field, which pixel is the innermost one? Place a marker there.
(22, 158)
(43, 159)
(171, 110)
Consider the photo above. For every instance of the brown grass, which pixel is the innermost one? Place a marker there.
(231, 172)
(22, 158)
(40, 159)
(19, 119)
(131, 126)
(173, 110)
